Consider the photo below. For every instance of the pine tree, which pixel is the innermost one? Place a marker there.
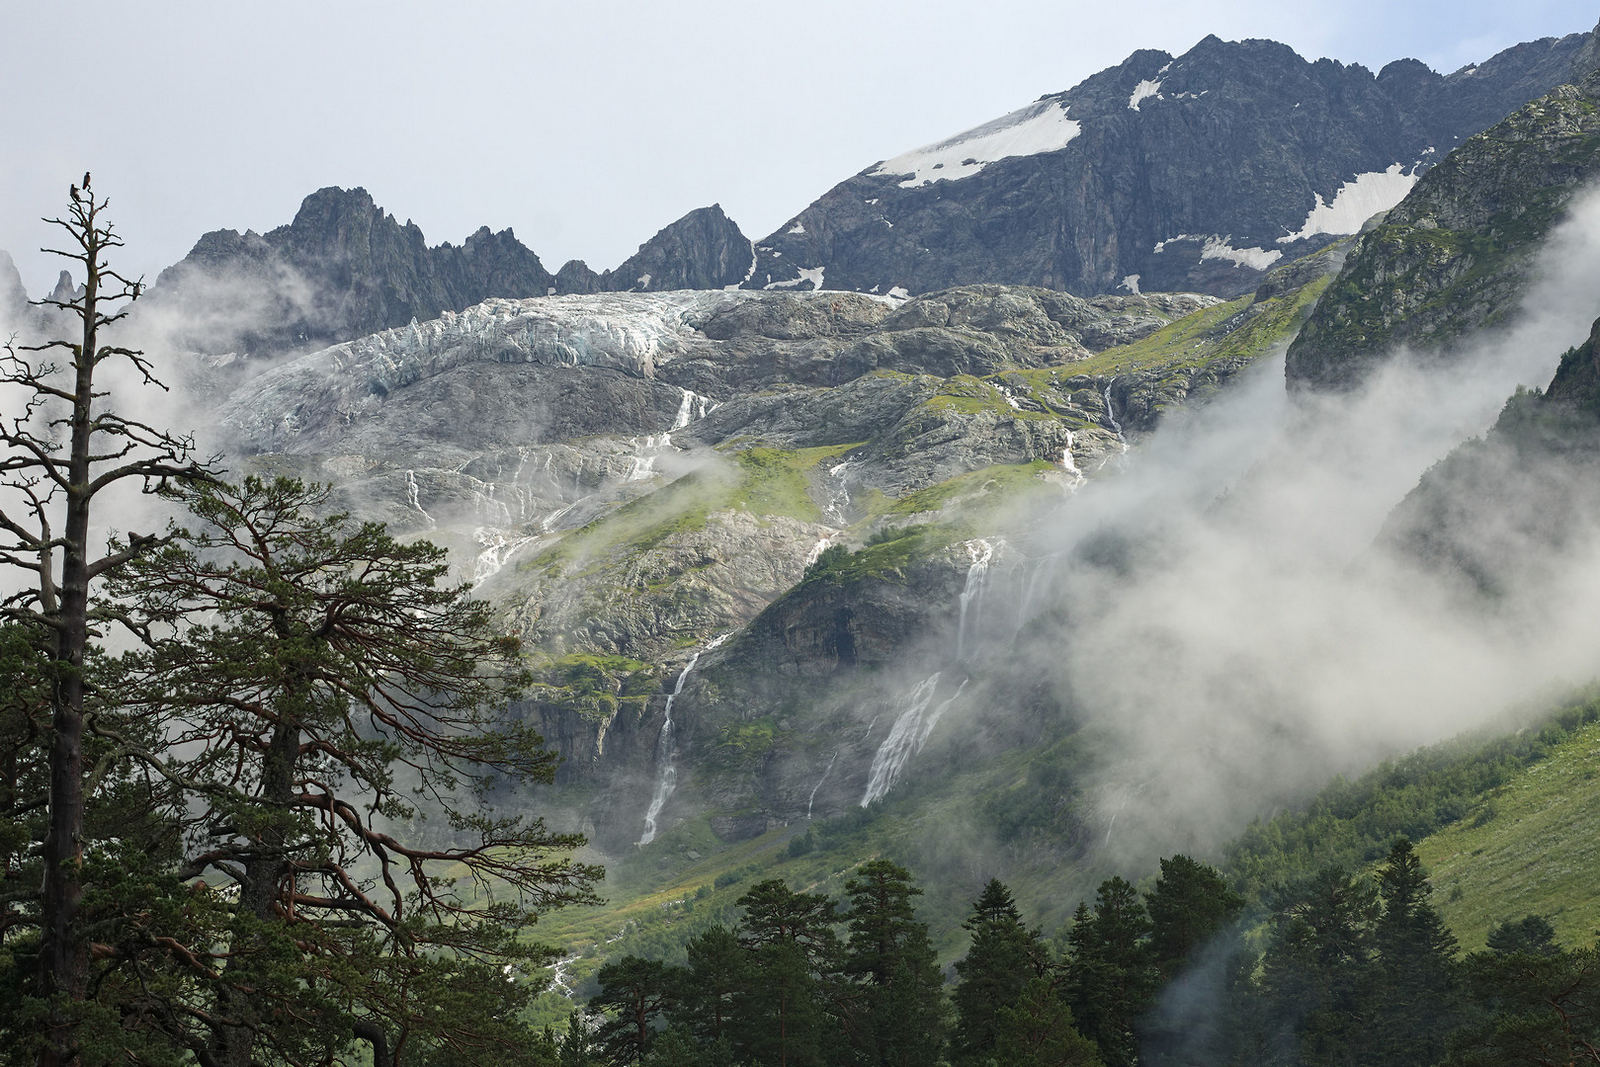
(637, 993)
(1318, 973)
(712, 984)
(1003, 958)
(794, 969)
(1418, 999)
(1036, 1030)
(900, 1021)
(1111, 978)
(1189, 905)
(337, 695)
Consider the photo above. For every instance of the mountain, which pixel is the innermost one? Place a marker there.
(631, 475)
(345, 268)
(1453, 256)
(1196, 172)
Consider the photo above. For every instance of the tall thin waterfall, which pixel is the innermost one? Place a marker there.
(667, 770)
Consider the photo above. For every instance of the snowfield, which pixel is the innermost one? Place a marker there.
(1034, 130)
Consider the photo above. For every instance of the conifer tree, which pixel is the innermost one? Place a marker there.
(1417, 1000)
(1111, 977)
(330, 710)
(794, 970)
(900, 996)
(1004, 956)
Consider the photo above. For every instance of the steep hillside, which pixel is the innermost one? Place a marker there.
(1454, 255)
(1194, 172)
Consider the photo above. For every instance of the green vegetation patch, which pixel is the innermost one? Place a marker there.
(1531, 847)
(1003, 481)
(889, 554)
(680, 506)
(776, 481)
(595, 686)
(1352, 824)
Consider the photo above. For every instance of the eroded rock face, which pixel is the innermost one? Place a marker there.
(1197, 172)
(1453, 257)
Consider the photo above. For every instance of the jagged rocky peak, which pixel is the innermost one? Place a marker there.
(703, 250)
(1190, 173)
(343, 268)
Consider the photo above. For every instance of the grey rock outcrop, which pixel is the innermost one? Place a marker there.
(703, 250)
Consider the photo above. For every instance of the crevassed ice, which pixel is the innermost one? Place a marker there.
(1356, 201)
(1038, 128)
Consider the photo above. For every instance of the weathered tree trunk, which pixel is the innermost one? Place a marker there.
(63, 954)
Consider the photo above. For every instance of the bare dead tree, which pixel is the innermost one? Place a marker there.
(62, 450)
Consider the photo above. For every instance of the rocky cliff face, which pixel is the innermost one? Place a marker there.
(1454, 255)
(1196, 172)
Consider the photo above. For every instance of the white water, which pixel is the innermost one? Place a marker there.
(838, 506)
(694, 406)
(817, 550)
(812, 799)
(1111, 414)
(906, 737)
(980, 552)
(559, 981)
(413, 496)
(645, 453)
(1070, 465)
(667, 777)
(495, 550)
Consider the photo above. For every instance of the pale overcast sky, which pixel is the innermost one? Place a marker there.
(585, 125)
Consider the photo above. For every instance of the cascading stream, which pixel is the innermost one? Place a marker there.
(906, 737)
(980, 552)
(667, 775)
(812, 799)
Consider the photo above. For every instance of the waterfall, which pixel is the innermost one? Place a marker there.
(413, 496)
(906, 737)
(495, 549)
(693, 406)
(1070, 465)
(980, 552)
(667, 773)
(812, 799)
(817, 550)
(1111, 414)
(644, 460)
(838, 506)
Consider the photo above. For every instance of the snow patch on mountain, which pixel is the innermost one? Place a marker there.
(807, 274)
(1142, 92)
(1034, 130)
(1356, 201)
(1257, 258)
